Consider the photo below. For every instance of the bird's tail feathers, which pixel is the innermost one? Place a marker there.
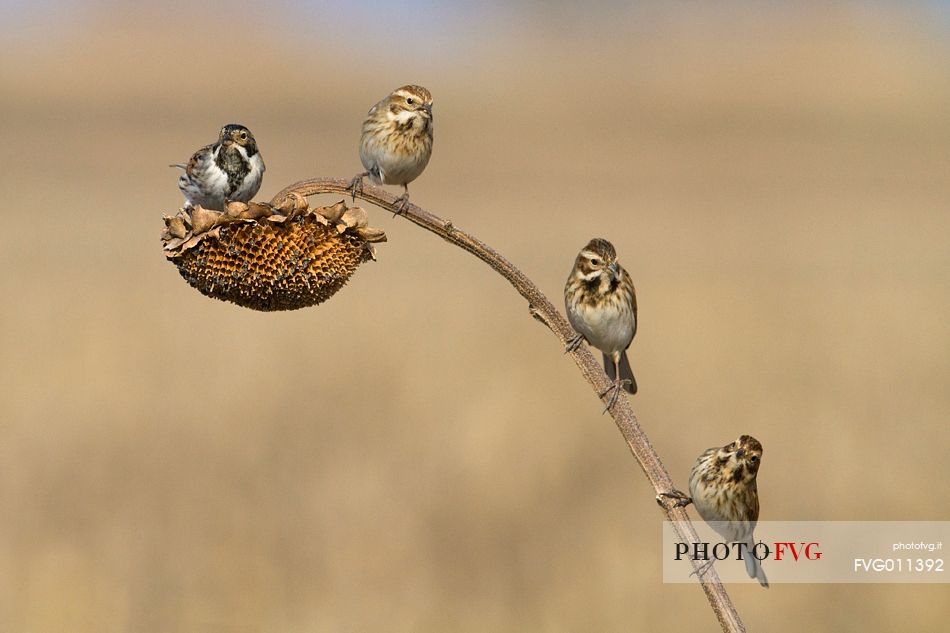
(627, 374)
(609, 367)
(753, 566)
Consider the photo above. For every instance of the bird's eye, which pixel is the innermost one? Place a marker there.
(754, 458)
(595, 261)
(243, 136)
(409, 100)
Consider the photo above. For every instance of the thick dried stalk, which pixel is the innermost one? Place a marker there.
(543, 310)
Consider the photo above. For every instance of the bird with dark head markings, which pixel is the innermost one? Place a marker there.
(601, 304)
(723, 488)
(230, 170)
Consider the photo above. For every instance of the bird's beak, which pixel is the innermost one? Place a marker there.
(428, 109)
(740, 453)
(615, 270)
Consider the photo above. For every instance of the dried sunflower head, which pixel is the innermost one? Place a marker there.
(270, 258)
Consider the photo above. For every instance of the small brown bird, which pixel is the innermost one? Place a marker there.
(722, 486)
(231, 169)
(396, 143)
(601, 305)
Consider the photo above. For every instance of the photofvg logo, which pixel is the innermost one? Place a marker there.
(808, 551)
(705, 552)
(751, 553)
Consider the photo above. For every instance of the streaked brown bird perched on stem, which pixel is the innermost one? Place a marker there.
(601, 305)
(722, 485)
(397, 140)
(230, 170)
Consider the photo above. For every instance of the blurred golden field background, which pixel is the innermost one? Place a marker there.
(417, 454)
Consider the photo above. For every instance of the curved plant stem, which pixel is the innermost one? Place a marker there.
(543, 310)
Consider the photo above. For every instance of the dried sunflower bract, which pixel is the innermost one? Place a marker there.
(270, 258)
